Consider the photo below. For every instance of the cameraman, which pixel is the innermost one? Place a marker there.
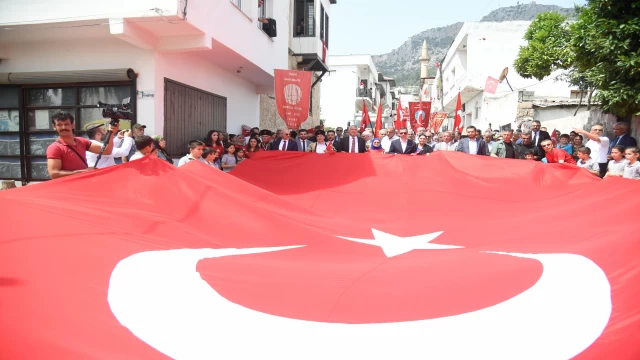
(67, 155)
(121, 145)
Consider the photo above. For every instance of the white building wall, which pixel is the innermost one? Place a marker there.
(337, 102)
(243, 104)
(108, 53)
(46, 11)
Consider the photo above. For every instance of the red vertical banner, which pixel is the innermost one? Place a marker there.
(293, 93)
(419, 112)
(458, 124)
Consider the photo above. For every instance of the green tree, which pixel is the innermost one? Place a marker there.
(606, 42)
(548, 47)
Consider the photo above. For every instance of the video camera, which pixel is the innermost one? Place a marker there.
(116, 112)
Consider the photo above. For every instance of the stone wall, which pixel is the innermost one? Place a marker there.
(269, 117)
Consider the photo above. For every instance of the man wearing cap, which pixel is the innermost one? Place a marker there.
(138, 130)
(121, 145)
(68, 154)
(320, 146)
(265, 135)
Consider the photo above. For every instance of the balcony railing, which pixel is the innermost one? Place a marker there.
(364, 93)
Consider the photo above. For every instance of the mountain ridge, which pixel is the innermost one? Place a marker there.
(403, 63)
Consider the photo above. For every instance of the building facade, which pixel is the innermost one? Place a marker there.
(186, 66)
(482, 50)
(308, 35)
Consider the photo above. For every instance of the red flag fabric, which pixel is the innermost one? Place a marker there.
(293, 94)
(554, 137)
(400, 119)
(436, 121)
(458, 124)
(158, 268)
(491, 85)
(379, 120)
(366, 120)
(419, 113)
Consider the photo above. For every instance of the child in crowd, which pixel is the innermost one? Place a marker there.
(564, 144)
(585, 161)
(529, 155)
(239, 156)
(196, 147)
(617, 163)
(632, 169)
(230, 159)
(144, 144)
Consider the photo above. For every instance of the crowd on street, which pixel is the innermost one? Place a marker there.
(591, 150)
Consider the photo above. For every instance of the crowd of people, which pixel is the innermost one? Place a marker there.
(598, 154)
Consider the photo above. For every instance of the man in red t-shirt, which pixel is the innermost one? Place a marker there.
(555, 155)
(67, 155)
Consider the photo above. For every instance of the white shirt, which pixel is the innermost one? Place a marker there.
(136, 156)
(185, 159)
(282, 142)
(473, 146)
(320, 148)
(535, 135)
(303, 145)
(404, 145)
(442, 146)
(599, 151)
(353, 141)
(117, 152)
(385, 142)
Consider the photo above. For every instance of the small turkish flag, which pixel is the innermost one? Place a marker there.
(491, 85)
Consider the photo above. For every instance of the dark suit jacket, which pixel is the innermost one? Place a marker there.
(396, 147)
(344, 145)
(463, 146)
(291, 145)
(425, 150)
(543, 136)
(626, 140)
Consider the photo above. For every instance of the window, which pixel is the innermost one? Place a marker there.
(304, 21)
(321, 22)
(326, 30)
(25, 122)
(262, 12)
(237, 3)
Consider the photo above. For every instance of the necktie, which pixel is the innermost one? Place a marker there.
(535, 139)
(284, 146)
(304, 145)
(353, 144)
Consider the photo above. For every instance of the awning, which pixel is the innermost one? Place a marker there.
(74, 76)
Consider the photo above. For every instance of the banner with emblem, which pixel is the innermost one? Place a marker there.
(436, 120)
(419, 114)
(293, 95)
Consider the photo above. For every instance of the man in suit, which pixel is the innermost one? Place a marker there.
(621, 130)
(302, 141)
(285, 143)
(403, 145)
(471, 145)
(538, 135)
(352, 143)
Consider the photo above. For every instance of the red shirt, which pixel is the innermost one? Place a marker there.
(558, 154)
(70, 160)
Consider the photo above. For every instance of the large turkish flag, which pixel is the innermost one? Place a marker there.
(469, 258)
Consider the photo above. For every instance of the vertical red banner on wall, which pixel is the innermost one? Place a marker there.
(419, 112)
(293, 93)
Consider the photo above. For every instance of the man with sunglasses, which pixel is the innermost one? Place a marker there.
(403, 145)
(599, 145)
(556, 155)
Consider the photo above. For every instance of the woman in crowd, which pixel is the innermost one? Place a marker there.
(229, 159)
(376, 146)
(423, 148)
(214, 141)
(252, 146)
(617, 163)
(160, 143)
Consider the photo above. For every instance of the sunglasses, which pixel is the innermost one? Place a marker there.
(402, 132)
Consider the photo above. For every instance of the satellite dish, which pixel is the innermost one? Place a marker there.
(503, 74)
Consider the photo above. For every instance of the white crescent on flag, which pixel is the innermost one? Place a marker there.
(161, 298)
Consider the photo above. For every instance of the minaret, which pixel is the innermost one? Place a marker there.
(424, 66)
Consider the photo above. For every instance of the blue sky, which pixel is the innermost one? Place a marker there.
(379, 26)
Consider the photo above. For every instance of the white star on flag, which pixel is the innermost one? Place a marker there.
(396, 245)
